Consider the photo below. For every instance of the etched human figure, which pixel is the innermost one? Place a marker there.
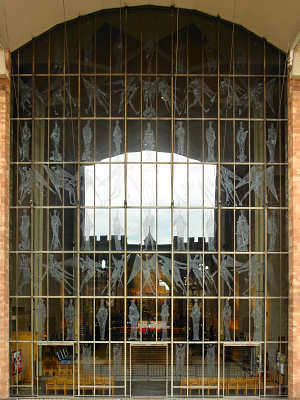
(117, 137)
(271, 181)
(195, 315)
(256, 272)
(196, 269)
(117, 359)
(149, 50)
(69, 317)
(166, 268)
(180, 359)
(86, 358)
(55, 227)
(24, 272)
(148, 268)
(179, 228)
(40, 317)
(227, 180)
(196, 89)
(271, 142)
(272, 231)
(256, 98)
(241, 137)
(57, 272)
(242, 233)
(24, 243)
(131, 90)
(226, 265)
(256, 182)
(149, 138)
(134, 317)
(60, 179)
(164, 91)
(88, 266)
(25, 183)
(211, 359)
(117, 272)
(164, 315)
(25, 142)
(25, 97)
(210, 136)
(57, 98)
(101, 96)
(87, 136)
(102, 318)
(226, 315)
(55, 139)
(180, 137)
(149, 88)
(257, 321)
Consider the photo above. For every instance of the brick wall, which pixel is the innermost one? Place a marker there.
(294, 239)
(4, 235)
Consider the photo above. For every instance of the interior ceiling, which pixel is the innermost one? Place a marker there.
(276, 20)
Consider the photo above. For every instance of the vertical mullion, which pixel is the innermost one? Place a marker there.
(266, 212)
(219, 217)
(173, 93)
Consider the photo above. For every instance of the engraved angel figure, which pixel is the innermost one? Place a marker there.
(102, 318)
(25, 142)
(226, 315)
(69, 317)
(40, 315)
(241, 137)
(55, 227)
(210, 136)
(164, 314)
(195, 315)
(242, 228)
(180, 137)
(117, 137)
(24, 243)
(134, 317)
(55, 139)
(271, 142)
(87, 136)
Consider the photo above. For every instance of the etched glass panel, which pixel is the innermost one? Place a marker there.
(148, 201)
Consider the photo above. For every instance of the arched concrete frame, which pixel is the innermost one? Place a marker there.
(274, 20)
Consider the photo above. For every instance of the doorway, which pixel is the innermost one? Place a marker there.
(148, 370)
(242, 370)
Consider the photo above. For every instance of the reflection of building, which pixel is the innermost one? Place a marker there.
(187, 212)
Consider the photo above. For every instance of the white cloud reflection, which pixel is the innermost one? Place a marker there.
(194, 181)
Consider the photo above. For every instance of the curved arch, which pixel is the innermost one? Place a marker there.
(271, 19)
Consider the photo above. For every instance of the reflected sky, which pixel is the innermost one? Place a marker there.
(149, 185)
